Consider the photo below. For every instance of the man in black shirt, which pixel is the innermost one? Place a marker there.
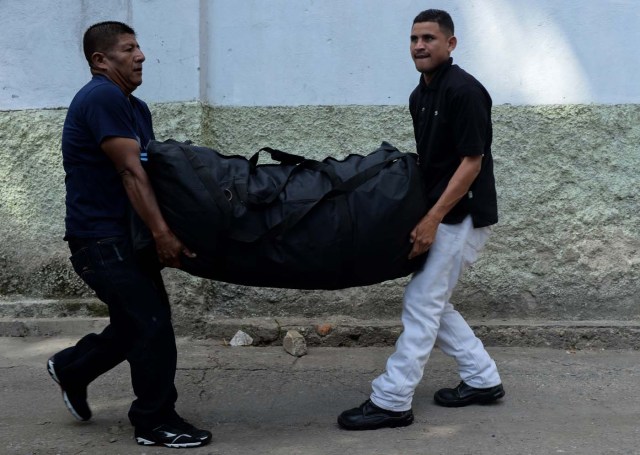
(451, 114)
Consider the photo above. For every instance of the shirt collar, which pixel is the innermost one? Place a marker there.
(435, 82)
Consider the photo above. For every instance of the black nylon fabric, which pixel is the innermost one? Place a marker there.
(299, 224)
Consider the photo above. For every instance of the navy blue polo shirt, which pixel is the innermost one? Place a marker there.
(452, 119)
(96, 202)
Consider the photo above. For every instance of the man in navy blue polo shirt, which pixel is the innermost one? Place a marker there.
(103, 143)
(451, 114)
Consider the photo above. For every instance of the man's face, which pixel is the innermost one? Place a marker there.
(430, 47)
(124, 63)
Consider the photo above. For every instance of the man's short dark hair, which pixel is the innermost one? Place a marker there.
(101, 37)
(442, 18)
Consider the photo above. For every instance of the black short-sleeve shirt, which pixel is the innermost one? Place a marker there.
(451, 120)
(96, 201)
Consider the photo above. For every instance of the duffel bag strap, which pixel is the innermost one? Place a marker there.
(298, 163)
(293, 218)
(342, 188)
(354, 182)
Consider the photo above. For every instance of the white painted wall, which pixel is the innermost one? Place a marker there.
(325, 52)
(41, 60)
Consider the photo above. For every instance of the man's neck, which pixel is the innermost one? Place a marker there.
(125, 91)
(428, 77)
(431, 75)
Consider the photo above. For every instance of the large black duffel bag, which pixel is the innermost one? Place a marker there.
(300, 224)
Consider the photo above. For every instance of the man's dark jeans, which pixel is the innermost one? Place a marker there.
(140, 328)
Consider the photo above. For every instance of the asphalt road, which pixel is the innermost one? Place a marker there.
(261, 400)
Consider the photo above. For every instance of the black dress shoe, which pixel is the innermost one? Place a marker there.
(368, 416)
(464, 395)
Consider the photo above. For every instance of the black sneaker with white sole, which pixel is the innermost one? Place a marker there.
(75, 398)
(178, 434)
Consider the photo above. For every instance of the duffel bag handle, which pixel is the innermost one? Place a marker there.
(298, 162)
(291, 159)
(341, 188)
(276, 155)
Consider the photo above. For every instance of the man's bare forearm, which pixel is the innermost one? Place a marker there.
(143, 200)
(424, 234)
(457, 188)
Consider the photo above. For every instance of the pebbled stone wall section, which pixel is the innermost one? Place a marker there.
(567, 246)
(33, 256)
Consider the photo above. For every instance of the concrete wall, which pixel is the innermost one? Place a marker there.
(332, 77)
(567, 246)
(41, 60)
(288, 52)
(324, 52)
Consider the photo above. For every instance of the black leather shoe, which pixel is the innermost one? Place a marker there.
(368, 416)
(464, 395)
(75, 398)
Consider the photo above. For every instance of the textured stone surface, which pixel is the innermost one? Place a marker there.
(33, 256)
(348, 332)
(241, 339)
(567, 246)
(294, 343)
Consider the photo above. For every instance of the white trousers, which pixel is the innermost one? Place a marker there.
(429, 319)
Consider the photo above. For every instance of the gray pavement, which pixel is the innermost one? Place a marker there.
(261, 400)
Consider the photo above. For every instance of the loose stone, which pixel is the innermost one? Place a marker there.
(241, 339)
(294, 343)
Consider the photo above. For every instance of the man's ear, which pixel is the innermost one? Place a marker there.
(98, 60)
(452, 43)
